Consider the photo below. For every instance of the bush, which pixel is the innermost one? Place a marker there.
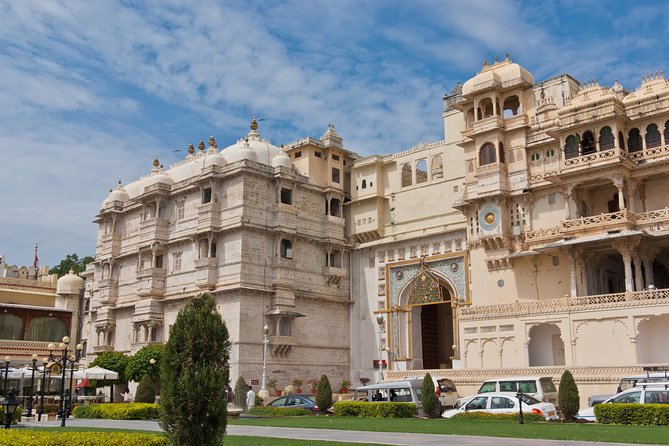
(430, 402)
(639, 414)
(145, 390)
(374, 410)
(279, 411)
(32, 437)
(140, 363)
(568, 399)
(194, 374)
(323, 394)
(501, 417)
(118, 411)
(241, 389)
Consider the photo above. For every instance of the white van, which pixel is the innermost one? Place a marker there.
(404, 391)
(540, 387)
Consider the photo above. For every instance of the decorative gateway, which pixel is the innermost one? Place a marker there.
(425, 289)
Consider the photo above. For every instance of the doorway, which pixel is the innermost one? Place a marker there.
(436, 322)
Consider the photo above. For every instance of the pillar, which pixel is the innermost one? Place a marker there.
(627, 261)
(638, 278)
(619, 183)
(567, 194)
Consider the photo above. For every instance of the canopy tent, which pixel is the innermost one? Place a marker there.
(96, 373)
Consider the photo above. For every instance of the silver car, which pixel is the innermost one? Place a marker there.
(504, 402)
(651, 393)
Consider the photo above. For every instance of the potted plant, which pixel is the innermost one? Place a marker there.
(297, 385)
(364, 380)
(272, 383)
(345, 385)
(312, 386)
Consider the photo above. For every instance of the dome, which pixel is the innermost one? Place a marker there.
(156, 176)
(212, 157)
(500, 73)
(118, 194)
(282, 160)
(69, 284)
(251, 148)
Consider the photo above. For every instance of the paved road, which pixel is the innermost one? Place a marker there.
(392, 438)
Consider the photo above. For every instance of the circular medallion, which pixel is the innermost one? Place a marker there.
(454, 266)
(500, 283)
(399, 274)
(490, 218)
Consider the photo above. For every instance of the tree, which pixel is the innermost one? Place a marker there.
(145, 390)
(71, 261)
(429, 401)
(241, 388)
(194, 374)
(140, 363)
(323, 394)
(568, 399)
(115, 361)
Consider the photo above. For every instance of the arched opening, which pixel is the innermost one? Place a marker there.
(433, 337)
(486, 107)
(651, 340)
(48, 329)
(501, 153)
(653, 138)
(571, 147)
(11, 327)
(469, 120)
(487, 154)
(666, 132)
(546, 346)
(606, 140)
(364, 184)
(588, 143)
(406, 175)
(634, 142)
(511, 106)
(621, 140)
(421, 171)
(437, 167)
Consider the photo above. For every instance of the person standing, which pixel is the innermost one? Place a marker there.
(250, 398)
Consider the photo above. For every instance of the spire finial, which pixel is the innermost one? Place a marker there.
(212, 141)
(191, 149)
(156, 163)
(506, 57)
(254, 124)
(201, 145)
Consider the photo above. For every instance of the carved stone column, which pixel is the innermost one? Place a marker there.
(619, 183)
(571, 258)
(638, 277)
(625, 248)
(567, 194)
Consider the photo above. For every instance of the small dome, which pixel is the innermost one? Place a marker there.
(69, 284)
(498, 73)
(214, 159)
(282, 159)
(156, 176)
(251, 148)
(118, 194)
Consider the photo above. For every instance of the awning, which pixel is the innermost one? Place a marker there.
(517, 255)
(280, 312)
(588, 239)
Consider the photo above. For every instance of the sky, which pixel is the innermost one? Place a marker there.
(92, 91)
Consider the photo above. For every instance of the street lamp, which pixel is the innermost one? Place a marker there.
(45, 362)
(7, 361)
(32, 383)
(519, 395)
(62, 359)
(265, 341)
(380, 320)
(9, 405)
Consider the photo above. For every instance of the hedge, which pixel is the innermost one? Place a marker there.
(374, 410)
(279, 411)
(37, 437)
(629, 413)
(118, 411)
(501, 417)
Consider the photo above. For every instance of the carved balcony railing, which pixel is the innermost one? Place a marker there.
(151, 282)
(647, 155)
(208, 217)
(111, 245)
(154, 229)
(620, 220)
(108, 289)
(206, 273)
(334, 227)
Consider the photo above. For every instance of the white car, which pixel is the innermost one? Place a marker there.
(504, 402)
(650, 393)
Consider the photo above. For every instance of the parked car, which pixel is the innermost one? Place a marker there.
(446, 391)
(404, 390)
(539, 387)
(628, 382)
(295, 401)
(504, 402)
(650, 393)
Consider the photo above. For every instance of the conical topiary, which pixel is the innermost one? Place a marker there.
(429, 400)
(241, 389)
(568, 398)
(323, 394)
(145, 390)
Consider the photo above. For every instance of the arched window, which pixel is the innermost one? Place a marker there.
(11, 327)
(511, 106)
(653, 138)
(470, 118)
(621, 140)
(550, 153)
(634, 140)
(666, 133)
(286, 249)
(588, 143)
(486, 106)
(535, 157)
(406, 175)
(48, 329)
(364, 184)
(487, 154)
(437, 167)
(606, 140)
(571, 147)
(421, 171)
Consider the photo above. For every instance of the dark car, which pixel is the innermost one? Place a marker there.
(295, 401)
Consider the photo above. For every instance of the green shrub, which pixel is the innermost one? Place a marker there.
(139, 364)
(118, 411)
(568, 399)
(241, 388)
(430, 402)
(145, 390)
(374, 410)
(323, 394)
(502, 417)
(279, 411)
(639, 414)
(36, 437)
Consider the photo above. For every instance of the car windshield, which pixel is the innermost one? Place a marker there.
(529, 400)
(447, 385)
(631, 397)
(547, 385)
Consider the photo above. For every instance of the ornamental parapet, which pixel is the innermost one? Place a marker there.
(566, 305)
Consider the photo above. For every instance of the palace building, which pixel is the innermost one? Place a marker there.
(534, 237)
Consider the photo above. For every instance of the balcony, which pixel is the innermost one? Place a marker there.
(333, 227)
(487, 124)
(208, 217)
(154, 230)
(620, 220)
(151, 282)
(651, 155)
(103, 348)
(111, 245)
(333, 275)
(285, 216)
(108, 291)
(206, 273)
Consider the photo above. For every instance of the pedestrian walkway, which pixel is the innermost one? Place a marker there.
(385, 438)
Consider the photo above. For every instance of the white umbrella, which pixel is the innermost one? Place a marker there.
(96, 373)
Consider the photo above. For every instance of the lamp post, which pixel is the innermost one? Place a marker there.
(62, 359)
(45, 362)
(7, 361)
(32, 383)
(9, 405)
(380, 320)
(519, 395)
(263, 383)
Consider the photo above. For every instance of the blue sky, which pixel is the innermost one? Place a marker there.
(92, 91)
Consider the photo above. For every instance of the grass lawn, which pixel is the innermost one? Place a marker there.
(554, 431)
